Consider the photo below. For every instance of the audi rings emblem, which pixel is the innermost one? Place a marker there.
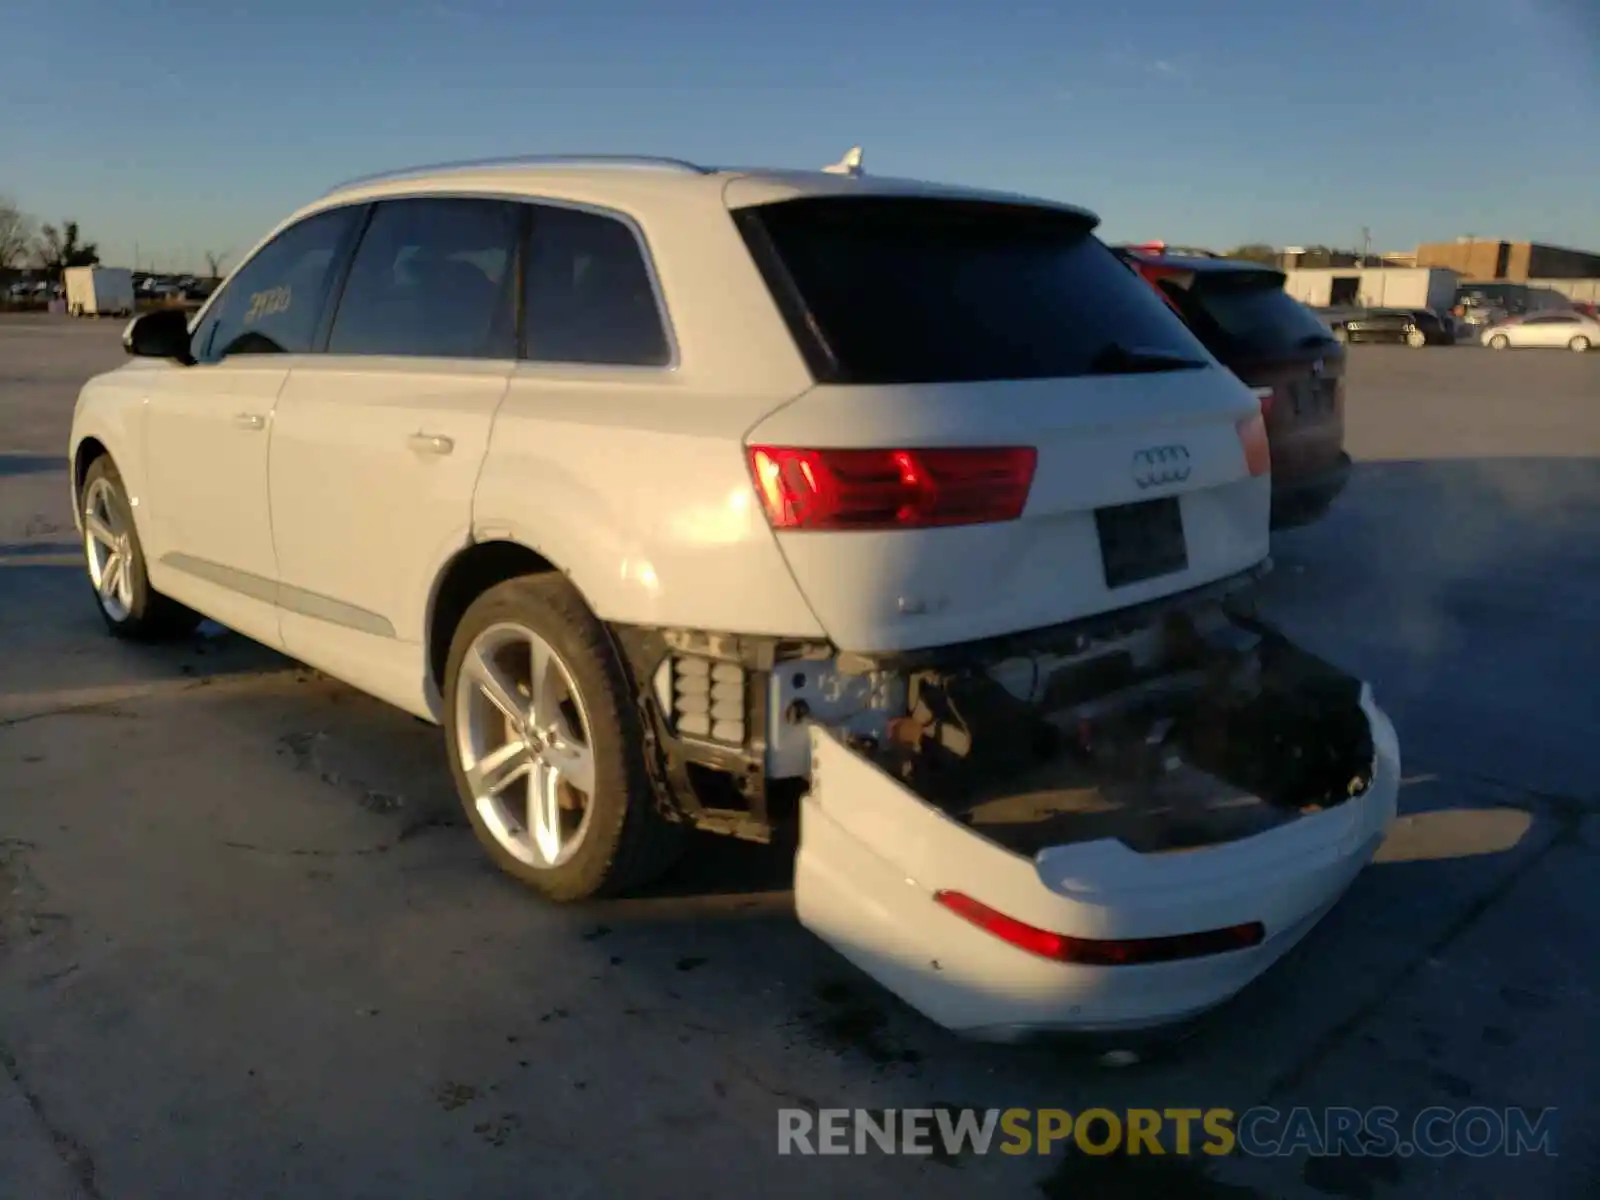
(1155, 466)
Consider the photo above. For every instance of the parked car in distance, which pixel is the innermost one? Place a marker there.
(1334, 318)
(1414, 327)
(1546, 330)
(1279, 348)
(701, 497)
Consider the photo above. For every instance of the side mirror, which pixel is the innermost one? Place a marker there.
(161, 333)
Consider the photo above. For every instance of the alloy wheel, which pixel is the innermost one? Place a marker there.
(522, 734)
(108, 549)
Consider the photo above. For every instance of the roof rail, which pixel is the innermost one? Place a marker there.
(639, 162)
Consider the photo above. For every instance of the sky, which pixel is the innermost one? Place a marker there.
(170, 128)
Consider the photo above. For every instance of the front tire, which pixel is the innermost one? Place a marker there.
(1579, 344)
(1499, 342)
(115, 564)
(545, 745)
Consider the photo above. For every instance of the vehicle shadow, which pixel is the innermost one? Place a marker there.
(38, 550)
(30, 464)
(58, 653)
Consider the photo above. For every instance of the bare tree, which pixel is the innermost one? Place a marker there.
(16, 233)
(214, 262)
(58, 249)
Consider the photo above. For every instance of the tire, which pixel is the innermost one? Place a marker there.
(115, 566)
(1416, 339)
(1499, 342)
(618, 841)
(1580, 344)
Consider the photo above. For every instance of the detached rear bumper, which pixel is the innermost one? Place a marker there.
(873, 857)
(1300, 501)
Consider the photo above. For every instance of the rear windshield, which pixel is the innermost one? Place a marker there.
(912, 290)
(1250, 313)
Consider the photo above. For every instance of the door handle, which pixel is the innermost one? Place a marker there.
(430, 443)
(250, 421)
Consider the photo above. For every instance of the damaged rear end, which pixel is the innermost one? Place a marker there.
(1109, 830)
(1058, 776)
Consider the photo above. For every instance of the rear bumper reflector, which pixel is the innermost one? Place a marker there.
(1120, 952)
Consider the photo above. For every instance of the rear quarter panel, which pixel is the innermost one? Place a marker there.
(638, 489)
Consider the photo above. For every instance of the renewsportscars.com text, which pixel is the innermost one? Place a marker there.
(1260, 1132)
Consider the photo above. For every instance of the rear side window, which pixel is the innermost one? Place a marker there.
(432, 278)
(1248, 313)
(273, 304)
(914, 290)
(587, 295)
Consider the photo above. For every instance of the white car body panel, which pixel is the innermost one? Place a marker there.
(644, 500)
(206, 439)
(872, 855)
(907, 589)
(374, 465)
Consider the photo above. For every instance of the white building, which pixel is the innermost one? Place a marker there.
(1373, 287)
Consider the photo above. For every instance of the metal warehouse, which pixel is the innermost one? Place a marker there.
(1373, 287)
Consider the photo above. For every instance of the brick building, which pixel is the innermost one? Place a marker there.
(1512, 262)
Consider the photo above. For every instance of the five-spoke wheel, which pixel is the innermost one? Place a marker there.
(546, 747)
(114, 562)
(523, 739)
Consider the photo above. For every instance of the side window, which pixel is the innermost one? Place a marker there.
(432, 278)
(587, 296)
(273, 304)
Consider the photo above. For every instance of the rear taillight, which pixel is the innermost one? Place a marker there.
(891, 489)
(1253, 438)
(1093, 952)
(1268, 397)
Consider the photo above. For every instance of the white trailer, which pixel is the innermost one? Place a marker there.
(99, 291)
(1373, 287)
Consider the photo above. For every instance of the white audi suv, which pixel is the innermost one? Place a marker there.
(691, 497)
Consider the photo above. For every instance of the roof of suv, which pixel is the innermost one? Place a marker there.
(631, 181)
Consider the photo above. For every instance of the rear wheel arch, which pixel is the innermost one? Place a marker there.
(473, 571)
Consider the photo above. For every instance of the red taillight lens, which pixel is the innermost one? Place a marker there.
(891, 489)
(1253, 437)
(1268, 397)
(1122, 952)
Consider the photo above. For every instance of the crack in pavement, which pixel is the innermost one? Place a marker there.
(69, 1149)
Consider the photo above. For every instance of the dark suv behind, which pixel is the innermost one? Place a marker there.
(1279, 348)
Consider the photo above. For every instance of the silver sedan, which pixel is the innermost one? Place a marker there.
(1551, 330)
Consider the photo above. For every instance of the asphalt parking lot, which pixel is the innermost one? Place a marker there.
(246, 951)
